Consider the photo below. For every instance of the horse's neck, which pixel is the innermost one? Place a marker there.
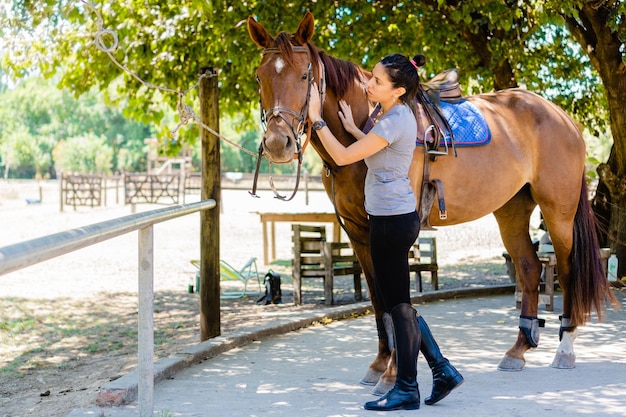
(360, 110)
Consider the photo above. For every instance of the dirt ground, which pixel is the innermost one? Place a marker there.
(69, 325)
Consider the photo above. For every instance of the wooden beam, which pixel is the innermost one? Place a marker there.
(210, 219)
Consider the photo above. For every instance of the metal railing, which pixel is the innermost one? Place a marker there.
(30, 252)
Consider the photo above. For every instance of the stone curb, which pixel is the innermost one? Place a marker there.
(124, 390)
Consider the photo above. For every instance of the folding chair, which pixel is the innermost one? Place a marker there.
(229, 273)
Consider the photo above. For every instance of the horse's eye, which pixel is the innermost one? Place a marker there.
(305, 76)
(258, 80)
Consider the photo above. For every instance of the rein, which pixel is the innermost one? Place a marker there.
(298, 131)
(253, 193)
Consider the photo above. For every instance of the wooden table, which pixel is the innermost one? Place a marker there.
(548, 260)
(272, 218)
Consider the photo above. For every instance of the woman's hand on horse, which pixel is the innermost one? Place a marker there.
(315, 104)
(345, 115)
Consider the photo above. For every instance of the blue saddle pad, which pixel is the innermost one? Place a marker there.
(468, 125)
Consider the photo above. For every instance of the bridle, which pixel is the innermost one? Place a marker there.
(280, 111)
(268, 115)
(298, 129)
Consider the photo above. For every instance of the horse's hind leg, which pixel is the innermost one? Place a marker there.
(560, 226)
(581, 273)
(514, 221)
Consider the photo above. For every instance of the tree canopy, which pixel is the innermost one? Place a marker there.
(570, 51)
(494, 45)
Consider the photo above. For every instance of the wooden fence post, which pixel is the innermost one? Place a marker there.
(61, 191)
(210, 219)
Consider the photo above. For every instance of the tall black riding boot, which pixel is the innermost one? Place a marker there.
(445, 376)
(405, 393)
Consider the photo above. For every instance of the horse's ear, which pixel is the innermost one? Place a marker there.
(306, 29)
(259, 35)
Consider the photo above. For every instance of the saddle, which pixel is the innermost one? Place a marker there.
(444, 85)
(430, 120)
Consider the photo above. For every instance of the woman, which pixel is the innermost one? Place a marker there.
(394, 223)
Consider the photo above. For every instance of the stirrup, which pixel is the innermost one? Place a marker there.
(434, 151)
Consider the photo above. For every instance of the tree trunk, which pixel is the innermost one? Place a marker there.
(610, 199)
(592, 30)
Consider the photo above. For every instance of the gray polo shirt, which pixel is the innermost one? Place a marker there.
(388, 190)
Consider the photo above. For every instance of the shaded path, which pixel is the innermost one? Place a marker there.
(315, 371)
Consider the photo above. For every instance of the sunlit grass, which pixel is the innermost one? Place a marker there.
(46, 334)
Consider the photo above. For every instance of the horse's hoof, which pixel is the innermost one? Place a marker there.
(564, 361)
(371, 377)
(511, 364)
(382, 387)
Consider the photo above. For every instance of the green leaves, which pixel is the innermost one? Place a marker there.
(31, 125)
(494, 44)
(86, 154)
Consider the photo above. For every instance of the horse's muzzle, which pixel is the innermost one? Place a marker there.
(279, 147)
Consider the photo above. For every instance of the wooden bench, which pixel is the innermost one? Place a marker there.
(269, 233)
(314, 257)
(423, 258)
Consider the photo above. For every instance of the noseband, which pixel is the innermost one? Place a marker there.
(297, 130)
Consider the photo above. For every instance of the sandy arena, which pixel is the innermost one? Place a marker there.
(98, 284)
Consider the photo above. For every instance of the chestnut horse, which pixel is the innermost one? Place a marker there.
(536, 157)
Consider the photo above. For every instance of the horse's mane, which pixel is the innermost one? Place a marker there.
(340, 74)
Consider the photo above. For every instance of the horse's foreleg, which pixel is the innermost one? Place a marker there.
(388, 378)
(378, 367)
(380, 364)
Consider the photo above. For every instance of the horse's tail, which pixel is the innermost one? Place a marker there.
(590, 287)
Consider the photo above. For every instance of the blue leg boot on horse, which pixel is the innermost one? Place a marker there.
(405, 394)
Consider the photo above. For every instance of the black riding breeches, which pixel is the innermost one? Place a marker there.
(391, 237)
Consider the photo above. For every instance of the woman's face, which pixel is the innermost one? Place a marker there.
(379, 87)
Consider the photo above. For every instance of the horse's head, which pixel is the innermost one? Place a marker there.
(285, 77)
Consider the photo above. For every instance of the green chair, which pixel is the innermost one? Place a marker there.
(230, 275)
